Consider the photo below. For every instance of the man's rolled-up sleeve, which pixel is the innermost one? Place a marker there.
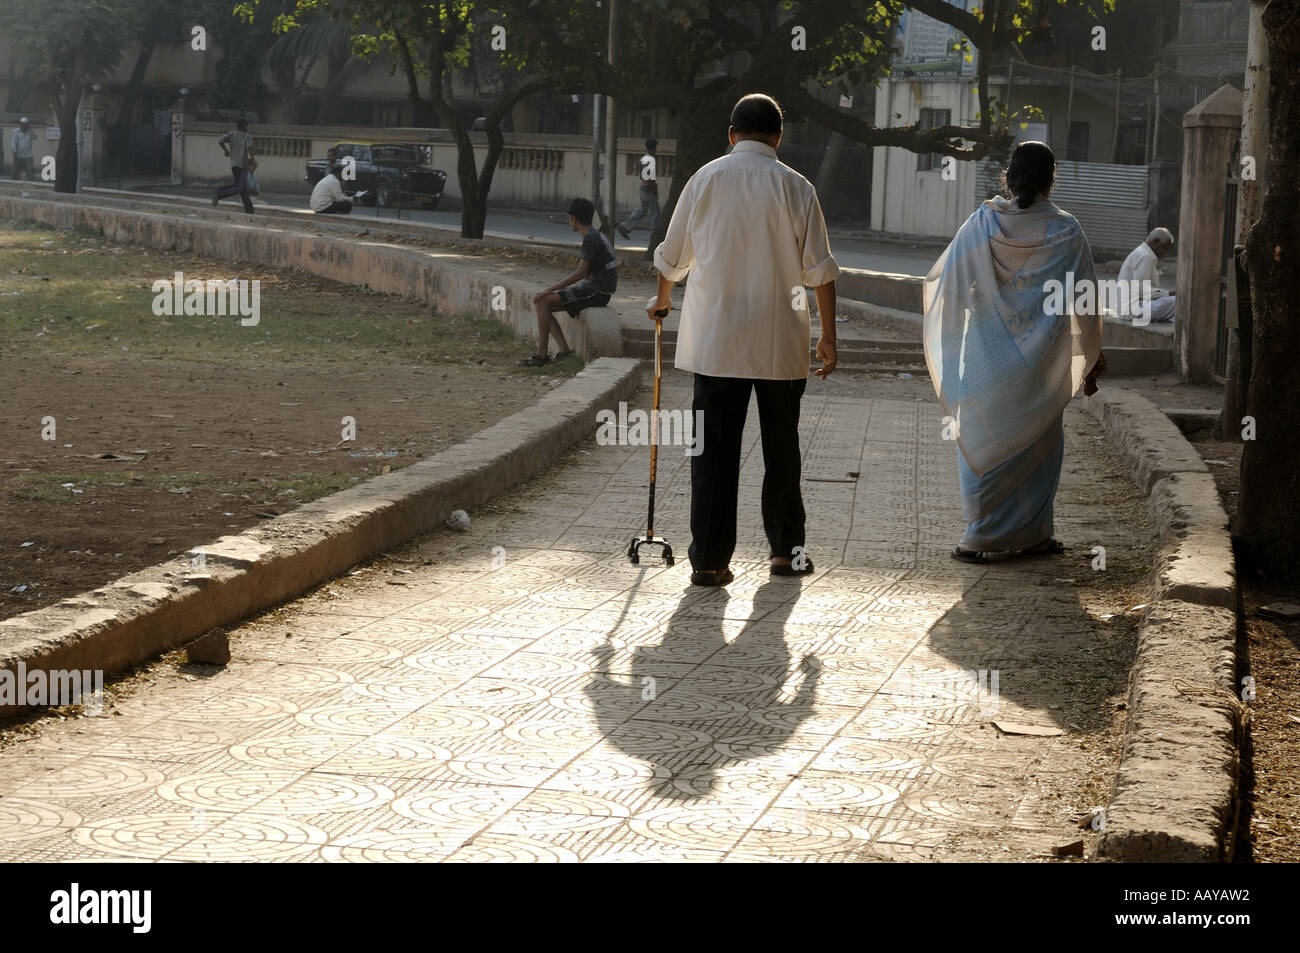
(819, 265)
(675, 254)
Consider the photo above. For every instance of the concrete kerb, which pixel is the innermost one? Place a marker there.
(448, 282)
(159, 608)
(1175, 793)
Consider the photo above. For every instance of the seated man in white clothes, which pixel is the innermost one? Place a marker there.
(1141, 265)
(328, 197)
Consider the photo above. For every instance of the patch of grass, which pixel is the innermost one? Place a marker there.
(564, 368)
(72, 292)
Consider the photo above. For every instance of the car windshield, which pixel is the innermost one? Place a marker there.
(398, 154)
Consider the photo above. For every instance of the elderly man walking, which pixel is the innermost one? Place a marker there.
(749, 230)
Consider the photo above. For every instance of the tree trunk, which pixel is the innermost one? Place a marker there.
(702, 139)
(133, 85)
(65, 157)
(1268, 524)
(473, 213)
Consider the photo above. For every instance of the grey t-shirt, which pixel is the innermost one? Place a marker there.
(604, 265)
(240, 142)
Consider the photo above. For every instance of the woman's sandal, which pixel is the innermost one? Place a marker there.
(967, 555)
(708, 577)
(1048, 547)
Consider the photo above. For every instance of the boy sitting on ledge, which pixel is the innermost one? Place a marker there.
(597, 277)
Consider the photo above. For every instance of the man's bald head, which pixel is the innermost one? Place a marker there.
(1160, 240)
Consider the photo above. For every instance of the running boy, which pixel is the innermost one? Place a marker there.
(597, 277)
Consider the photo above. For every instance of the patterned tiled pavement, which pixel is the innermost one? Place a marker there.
(522, 692)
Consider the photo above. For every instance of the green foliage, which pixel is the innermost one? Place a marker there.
(70, 42)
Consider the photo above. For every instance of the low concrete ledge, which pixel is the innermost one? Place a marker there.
(1175, 793)
(1151, 445)
(159, 608)
(905, 322)
(895, 292)
(444, 280)
(1138, 361)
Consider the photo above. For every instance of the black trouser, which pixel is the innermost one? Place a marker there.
(339, 208)
(240, 185)
(715, 473)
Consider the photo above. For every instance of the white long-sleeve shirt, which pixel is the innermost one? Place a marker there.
(749, 230)
(326, 192)
(1143, 265)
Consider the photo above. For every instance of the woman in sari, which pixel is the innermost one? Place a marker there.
(1007, 346)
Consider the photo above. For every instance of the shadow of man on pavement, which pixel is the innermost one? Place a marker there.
(695, 702)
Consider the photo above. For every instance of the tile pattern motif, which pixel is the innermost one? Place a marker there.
(567, 706)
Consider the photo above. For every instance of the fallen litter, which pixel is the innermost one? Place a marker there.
(1281, 610)
(1036, 731)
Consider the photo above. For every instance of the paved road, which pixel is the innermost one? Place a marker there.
(896, 257)
(547, 701)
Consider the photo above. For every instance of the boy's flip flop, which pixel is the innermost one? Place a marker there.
(563, 354)
(536, 360)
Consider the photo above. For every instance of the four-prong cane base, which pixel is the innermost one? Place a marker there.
(634, 555)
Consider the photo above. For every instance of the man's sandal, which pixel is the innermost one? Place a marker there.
(563, 354)
(536, 360)
(967, 555)
(787, 569)
(708, 577)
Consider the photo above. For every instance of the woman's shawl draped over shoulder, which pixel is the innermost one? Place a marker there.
(1003, 367)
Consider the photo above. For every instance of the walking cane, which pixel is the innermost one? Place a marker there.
(650, 538)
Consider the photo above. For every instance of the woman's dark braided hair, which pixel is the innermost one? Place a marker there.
(1030, 172)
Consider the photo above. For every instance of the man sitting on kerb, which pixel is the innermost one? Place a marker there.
(1141, 266)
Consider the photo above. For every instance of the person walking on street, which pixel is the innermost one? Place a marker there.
(22, 150)
(1006, 360)
(750, 232)
(649, 191)
(238, 146)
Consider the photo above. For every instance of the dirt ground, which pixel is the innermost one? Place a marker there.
(168, 432)
(1269, 653)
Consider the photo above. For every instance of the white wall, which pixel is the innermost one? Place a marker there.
(906, 201)
(283, 152)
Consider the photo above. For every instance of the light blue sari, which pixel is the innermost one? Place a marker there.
(1006, 359)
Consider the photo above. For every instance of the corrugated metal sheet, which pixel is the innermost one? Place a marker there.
(1110, 201)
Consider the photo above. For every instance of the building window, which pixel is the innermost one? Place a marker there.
(932, 119)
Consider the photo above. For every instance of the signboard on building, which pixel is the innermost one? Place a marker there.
(933, 48)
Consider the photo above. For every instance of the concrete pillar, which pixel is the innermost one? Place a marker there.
(180, 109)
(90, 137)
(1211, 129)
